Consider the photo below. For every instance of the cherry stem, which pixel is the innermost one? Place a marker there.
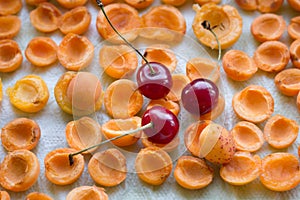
(71, 160)
(206, 25)
(100, 4)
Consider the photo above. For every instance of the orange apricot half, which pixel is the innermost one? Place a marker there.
(4, 195)
(139, 4)
(280, 132)
(295, 4)
(192, 173)
(58, 169)
(69, 4)
(294, 27)
(271, 56)
(29, 94)
(254, 104)
(86, 193)
(168, 104)
(10, 7)
(20, 133)
(19, 170)
(166, 147)
(108, 168)
(153, 165)
(280, 171)
(288, 81)
(269, 5)
(37, 196)
(10, 26)
(295, 53)
(242, 169)
(41, 51)
(247, 136)
(10, 55)
(116, 127)
(225, 18)
(238, 65)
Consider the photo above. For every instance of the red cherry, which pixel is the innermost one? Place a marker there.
(156, 84)
(165, 125)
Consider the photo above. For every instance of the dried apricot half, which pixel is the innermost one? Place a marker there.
(118, 60)
(10, 7)
(193, 173)
(203, 68)
(242, 169)
(238, 65)
(37, 196)
(41, 51)
(225, 18)
(75, 52)
(20, 133)
(288, 81)
(295, 53)
(254, 104)
(179, 82)
(295, 4)
(10, 26)
(29, 94)
(75, 21)
(124, 18)
(83, 133)
(138, 4)
(87, 192)
(71, 3)
(4, 195)
(108, 168)
(293, 27)
(122, 99)
(58, 169)
(271, 56)
(116, 127)
(247, 136)
(280, 171)
(45, 17)
(10, 55)
(269, 5)
(19, 170)
(166, 147)
(153, 165)
(280, 132)
(168, 104)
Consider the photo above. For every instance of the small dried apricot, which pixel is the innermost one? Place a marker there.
(193, 173)
(295, 53)
(225, 18)
(20, 133)
(288, 81)
(10, 55)
(4, 195)
(293, 27)
(216, 111)
(280, 132)
(41, 51)
(254, 104)
(179, 82)
(58, 169)
(29, 94)
(45, 17)
(271, 56)
(124, 18)
(295, 4)
(87, 192)
(118, 61)
(168, 104)
(108, 168)
(238, 65)
(122, 99)
(19, 170)
(116, 127)
(83, 133)
(174, 2)
(280, 171)
(10, 7)
(71, 3)
(10, 26)
(269, 5)
(34, 2)
(202, 2)
(248, 5)
(247, 136)
(153, 165)
(75, 52)
(37, 196)
(75, 21)
(138, 4)
(242, 169)
(166, 147)
(203, 68)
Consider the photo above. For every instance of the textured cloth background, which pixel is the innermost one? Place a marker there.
(53, 121)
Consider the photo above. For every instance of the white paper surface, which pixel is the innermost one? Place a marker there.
(52, 119)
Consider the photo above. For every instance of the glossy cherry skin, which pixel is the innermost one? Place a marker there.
(200, 96)
(157, 85)
(165, 125)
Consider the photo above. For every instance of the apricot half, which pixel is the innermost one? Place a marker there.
(29, 94)
(295, 4)
(288, 81)
(37, 196)
(138, 4)
(19, 170)
(34, 2)
(10, 55)
(202, 2)
(280, 171)
(269, 5)
(10, 26)
(86, 193)
(295, 53)
(71, 3)
(248, 5)
(254, 104)
(108, 168)
(4, 195)
(225, 18)
(10, 7)
(294, 27)
(193, 173)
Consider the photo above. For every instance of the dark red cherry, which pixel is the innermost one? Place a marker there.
(165, 125)
(200, 96)
(156, 84)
